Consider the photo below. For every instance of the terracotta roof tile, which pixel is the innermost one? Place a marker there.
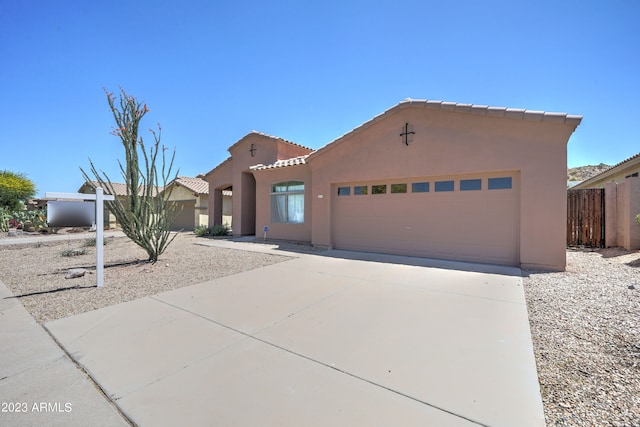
(197, 185)
(300, 160)
(277, 138)
(510, 113)
(608, 171)
(120, 189)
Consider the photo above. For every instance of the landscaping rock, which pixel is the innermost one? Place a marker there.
(75, 272)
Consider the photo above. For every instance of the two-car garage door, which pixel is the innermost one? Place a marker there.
(468, 218)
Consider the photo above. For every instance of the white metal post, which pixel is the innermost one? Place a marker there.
(99, 237)
(99, 197)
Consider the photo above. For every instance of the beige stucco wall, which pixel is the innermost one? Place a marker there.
(456, 143)
(237, 174)
(194, 207)
(622, 204)
(264, 180)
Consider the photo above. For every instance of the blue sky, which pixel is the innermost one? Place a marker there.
(212, 71)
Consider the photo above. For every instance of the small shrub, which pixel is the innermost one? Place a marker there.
(73, 252)
(214, 230)
(91, 242)
(201, 230)
(219, 230)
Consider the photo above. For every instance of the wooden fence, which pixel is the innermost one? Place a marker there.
(585, 217)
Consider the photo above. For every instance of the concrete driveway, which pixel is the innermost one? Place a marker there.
(341, 340)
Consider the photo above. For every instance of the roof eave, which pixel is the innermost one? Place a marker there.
(635, 159)
(504, 112)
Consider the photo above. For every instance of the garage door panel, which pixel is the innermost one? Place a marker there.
(480, 226)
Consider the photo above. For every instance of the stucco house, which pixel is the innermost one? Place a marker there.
(119, 191)
(629, 168)
(192, 198)
(621, 184)
(424, 178)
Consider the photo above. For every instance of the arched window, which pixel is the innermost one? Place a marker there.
(287, 202)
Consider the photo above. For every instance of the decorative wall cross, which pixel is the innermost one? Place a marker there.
(406, 133)
(253, 150)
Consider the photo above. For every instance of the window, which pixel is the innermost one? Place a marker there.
(444, 186)
(500, 183)
(470, 184)
(420, 187)
(379, 189)
(398, 188)
(344, 191)
(287, 202)
(359, 190)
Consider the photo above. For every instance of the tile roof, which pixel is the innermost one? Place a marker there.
(120, 189)
(277, 138)
(300, 160)
(609, 171)
(197, 185)
(484, 110)
(622, 162)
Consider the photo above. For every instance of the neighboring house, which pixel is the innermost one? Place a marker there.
(618, 173)
(119, 190)
(621, 185)
(192, 197)
(424, 178)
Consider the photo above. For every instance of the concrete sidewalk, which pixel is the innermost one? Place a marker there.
(39, 384)
(320, 340)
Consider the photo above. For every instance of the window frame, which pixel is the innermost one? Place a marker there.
(398, 187)
(444, 186)
(344, 193)
(379, 189)
(360, 190)
(421, 187)
(474, 184)
(291, 189)
(498, 183)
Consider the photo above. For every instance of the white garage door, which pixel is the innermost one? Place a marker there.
(470, 218)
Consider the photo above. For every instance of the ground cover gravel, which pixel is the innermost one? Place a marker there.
(35, 272)
(585, 325)
(585, 322)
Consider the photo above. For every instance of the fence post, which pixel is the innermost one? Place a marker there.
(99, 237)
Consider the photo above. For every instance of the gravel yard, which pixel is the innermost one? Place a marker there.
(35, 273)
(585, 322)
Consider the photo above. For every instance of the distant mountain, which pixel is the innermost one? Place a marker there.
(582, 173)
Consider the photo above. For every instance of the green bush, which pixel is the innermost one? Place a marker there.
(38, 217)
(638, 218)
(214, 230)
(219, 230)
(201, 230)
